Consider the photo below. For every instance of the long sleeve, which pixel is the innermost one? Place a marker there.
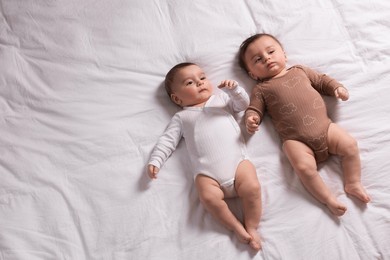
(167, 142)
(238, 97)
(321, 82)
(257, 103)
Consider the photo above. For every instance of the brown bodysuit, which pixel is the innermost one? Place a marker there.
(296, 107)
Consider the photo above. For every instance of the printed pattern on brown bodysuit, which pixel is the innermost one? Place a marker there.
(296, 107)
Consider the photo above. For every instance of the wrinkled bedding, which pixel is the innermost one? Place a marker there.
(82, 105)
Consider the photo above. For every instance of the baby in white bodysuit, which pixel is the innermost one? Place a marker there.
(215, 145)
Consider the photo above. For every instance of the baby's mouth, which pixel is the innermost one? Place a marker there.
(270, 65)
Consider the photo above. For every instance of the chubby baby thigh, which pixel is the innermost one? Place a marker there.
(208, 188)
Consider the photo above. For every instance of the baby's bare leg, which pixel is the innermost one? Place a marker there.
(212, 198)
(248, 189)
(303, 161)
(342, 144)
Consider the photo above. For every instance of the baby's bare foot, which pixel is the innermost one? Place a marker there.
(357, 190)
(255, 243)
(336, 207)
(243, 236)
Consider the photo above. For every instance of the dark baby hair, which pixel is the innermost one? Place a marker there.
(244, 46)
(171, 75)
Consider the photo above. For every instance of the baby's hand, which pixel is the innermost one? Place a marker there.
(252, 122)
(152, 171)
(341, 93)
(228, 83)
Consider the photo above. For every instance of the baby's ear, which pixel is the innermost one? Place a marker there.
(176, 99)
(252, 76)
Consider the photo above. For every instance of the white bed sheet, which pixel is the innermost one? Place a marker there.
(82, 105)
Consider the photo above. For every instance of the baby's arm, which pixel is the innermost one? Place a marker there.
(228, 84)
(325, 84)
(165, 146)
(341, 93)
(239, 99)
(255, 111)
(252, 121)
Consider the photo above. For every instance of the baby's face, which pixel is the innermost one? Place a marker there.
(265, 58)
(191, 87)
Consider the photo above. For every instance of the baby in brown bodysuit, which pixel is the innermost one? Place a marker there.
(292, 98)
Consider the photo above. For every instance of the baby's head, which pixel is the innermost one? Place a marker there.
(259, 53)
(187, 85)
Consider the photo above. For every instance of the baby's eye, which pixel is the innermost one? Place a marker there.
(270, 52)
(189, 83)
(258, 59)
(203, 78)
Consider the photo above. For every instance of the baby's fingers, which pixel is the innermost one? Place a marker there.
(252, 124)
(342, 93)
(230, 84)
(152, 171)
(253, 120)
(252, 129)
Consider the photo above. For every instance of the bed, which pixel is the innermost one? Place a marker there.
(82, 104)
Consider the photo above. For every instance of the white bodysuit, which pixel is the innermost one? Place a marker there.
(212, 135)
